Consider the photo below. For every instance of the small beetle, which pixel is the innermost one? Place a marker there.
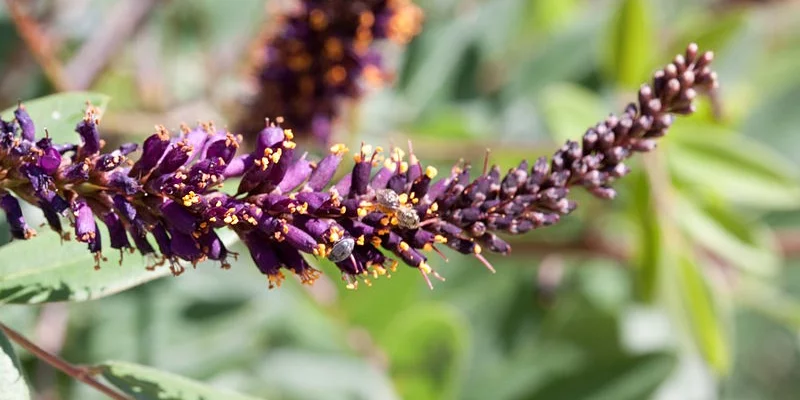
(342, 249)
(387, 199)
(407, 218)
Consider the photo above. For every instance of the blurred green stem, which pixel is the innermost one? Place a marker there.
(60, 364)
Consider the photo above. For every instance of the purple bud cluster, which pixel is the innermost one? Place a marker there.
(287, 207)
(318, 57)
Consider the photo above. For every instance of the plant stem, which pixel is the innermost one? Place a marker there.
(38, 44)
(60, 364)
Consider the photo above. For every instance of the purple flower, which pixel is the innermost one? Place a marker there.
(319, 59)
(288, 207)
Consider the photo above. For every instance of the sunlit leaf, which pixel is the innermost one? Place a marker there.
(12, 380)
(650, 246)
(630, 46)
(64, 272)
(717, 231)
(733, 167)
(145, 383)
(704, 317)
(59, 113)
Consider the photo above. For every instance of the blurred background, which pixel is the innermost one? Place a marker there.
(687, 286)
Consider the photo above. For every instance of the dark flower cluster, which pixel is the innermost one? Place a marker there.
(287, 207)
(318, 59)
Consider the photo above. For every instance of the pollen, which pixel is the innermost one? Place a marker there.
(431, 172)
(277, 156)
(339, 149)
(190, 199)
(404, 246)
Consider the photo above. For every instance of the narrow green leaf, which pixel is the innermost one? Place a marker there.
(706, 323)
(12, 381)
(713, 229)
(650, 247)
(59, 113)
(733, 167)
(629, 48)
(44, 270)
(145, 383)
(569, 110)
(423, 343)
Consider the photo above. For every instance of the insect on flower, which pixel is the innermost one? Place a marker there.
(288, 207)
(342, 249)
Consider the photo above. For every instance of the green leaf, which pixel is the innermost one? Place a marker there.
(704, 317)
(64, 271)
(733, 167)
(441, 50)
(569, 110)
(629, 48)
(59, 113)
(302, 374)
(650, 247)
(632, 378)
(550, 15)
(12, 380)
(566, 56)
(145, 383)
(427, 345)
(742, 243)
(774, 120)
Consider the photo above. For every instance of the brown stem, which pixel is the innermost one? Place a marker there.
(38, 44)
(60, 364)
(95, 54)
(789, 242)
(587, 245)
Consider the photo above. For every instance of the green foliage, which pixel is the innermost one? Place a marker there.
(696, 225)
(145, 383)
(12, 379)
(64, 272)
(630, 45)
(59, 113)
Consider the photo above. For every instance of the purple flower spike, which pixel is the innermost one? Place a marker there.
(116, 231)
(177, 155)
(90, 136)
(285, 206)
(152, 151)
(179, 217)
(326, 168)
(25, 123)
(295, 175)
(19, 228)
(50, 161)
(322, 57)
(264, 257)
(85, 229)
